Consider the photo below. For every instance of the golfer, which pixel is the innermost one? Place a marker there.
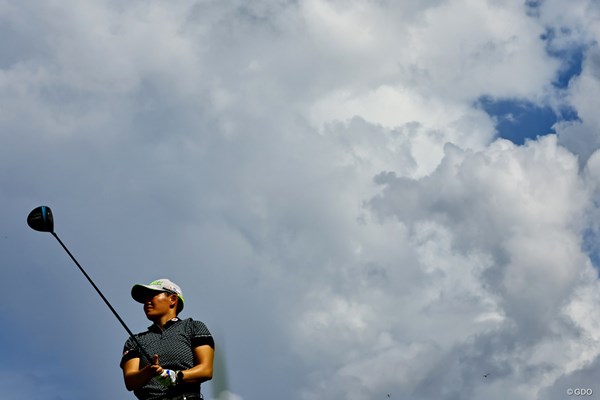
(183, 349)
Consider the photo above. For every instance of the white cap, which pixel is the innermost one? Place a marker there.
(139, 292)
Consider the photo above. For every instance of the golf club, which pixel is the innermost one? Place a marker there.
(41, 220)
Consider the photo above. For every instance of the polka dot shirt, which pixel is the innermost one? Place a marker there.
(174, 345)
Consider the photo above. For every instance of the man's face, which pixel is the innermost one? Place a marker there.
(157, 304)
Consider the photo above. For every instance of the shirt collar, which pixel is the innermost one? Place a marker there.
(155, 327)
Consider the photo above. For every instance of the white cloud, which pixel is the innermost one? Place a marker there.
(582, 136)
(317, 177)
(459, 64)
(483, 229)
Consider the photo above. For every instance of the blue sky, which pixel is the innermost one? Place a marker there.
(518, 120)
(328, 181)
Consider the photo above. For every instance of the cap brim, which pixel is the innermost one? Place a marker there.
(140, 292)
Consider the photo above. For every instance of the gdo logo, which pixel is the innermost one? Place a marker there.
(580, 392)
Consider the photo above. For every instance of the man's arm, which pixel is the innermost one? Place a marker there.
(203, 365)
(135, 378)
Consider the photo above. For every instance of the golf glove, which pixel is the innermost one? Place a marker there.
(168, 377)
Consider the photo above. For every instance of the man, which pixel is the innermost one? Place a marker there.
(183, 349)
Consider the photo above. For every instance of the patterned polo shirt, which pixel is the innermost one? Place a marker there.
(174, 345)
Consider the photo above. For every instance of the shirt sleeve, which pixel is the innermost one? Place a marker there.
(130, 350)
(201, 335)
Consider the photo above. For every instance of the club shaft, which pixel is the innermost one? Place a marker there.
(142, 350)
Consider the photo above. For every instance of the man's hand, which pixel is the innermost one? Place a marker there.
(168, 377)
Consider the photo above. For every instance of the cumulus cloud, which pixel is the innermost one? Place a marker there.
(581, 136)
(483, 230)
(319, 178)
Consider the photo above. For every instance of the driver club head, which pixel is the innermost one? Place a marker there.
(40, 219)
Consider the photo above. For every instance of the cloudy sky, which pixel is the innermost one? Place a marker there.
(359, 198)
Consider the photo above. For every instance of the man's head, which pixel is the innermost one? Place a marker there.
(141, 293)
